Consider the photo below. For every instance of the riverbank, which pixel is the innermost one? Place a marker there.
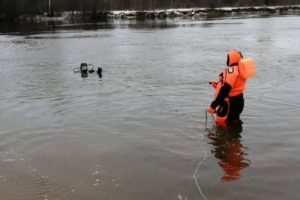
(206, 12)
(70, 16)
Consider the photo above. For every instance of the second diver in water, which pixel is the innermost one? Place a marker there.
(84, 69)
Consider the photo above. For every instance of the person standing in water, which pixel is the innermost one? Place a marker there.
(229, 99)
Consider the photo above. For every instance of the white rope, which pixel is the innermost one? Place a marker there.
(196, 171)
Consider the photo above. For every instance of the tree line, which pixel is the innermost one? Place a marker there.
(18, 7)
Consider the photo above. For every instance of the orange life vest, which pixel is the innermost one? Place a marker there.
(246, 68)
(233, 78)
(237, 75)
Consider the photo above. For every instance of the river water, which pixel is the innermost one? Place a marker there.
(140, 132)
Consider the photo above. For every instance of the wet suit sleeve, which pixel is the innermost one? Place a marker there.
(224, 91)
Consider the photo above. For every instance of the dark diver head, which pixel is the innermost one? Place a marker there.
(83, 68)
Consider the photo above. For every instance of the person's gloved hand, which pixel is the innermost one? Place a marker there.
(211, 110)
(213, 83)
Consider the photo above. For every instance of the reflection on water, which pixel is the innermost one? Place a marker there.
(229, 150)
(84, 75)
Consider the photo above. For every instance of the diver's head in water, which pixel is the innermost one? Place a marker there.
(83, 68)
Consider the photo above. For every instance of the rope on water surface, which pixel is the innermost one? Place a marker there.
(197, 169)
(201, 162)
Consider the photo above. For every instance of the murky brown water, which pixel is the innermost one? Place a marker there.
(139, 132)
